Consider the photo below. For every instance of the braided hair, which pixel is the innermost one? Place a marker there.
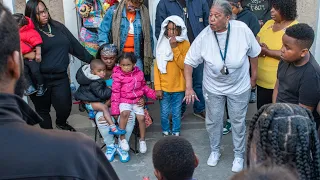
(285, 134)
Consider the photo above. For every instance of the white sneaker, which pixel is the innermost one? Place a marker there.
(237, 165)
(176, 134)
(213, 159)
(124, 145)
(143, 147)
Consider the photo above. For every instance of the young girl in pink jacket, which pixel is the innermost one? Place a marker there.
(128, 88)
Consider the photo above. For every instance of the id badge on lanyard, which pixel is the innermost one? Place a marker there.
(224, 69)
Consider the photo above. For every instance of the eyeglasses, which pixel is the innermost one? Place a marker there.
(45, 11)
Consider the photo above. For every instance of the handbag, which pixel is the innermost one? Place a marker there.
(89, 40)
(147, 118)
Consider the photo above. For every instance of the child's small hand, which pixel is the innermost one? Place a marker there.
(173, 42)
(116, 117)
(38, 58)
(159, 94)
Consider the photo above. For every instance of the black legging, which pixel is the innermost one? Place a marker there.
(58, 95)
(264, 96)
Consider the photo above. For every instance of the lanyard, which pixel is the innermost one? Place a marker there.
(226, 46)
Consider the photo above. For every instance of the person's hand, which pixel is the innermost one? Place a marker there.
(159, 94)
(141, 102)
(190, 96)
(264, 49)
(173, 42)
(31, 55)
(261, 23)
(38, 58)
(116, 117)
(253, 82)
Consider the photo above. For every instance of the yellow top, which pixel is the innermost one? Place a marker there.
(173, 80)
(268, 66)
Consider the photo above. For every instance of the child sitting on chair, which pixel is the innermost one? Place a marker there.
(128, 88)
(94, 91)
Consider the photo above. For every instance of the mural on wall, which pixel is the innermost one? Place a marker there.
(91, 13)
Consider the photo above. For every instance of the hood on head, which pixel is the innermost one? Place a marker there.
(30, 25)
(245, 11)
(84, 75)
(178, 21)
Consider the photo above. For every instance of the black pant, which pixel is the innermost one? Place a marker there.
(264, 96)
(32, 69)
(59, 96)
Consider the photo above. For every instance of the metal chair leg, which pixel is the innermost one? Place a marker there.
(95, 133)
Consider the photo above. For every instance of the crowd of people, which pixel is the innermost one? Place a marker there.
(213, 54)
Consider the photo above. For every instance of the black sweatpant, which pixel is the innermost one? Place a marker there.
(264, 96)
(58, 95)
(33, 68)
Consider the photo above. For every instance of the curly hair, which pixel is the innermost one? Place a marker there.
(287, 8)
(286, 134)
(174, 158)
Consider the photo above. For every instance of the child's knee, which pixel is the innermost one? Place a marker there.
(140, 118)
(125, 114)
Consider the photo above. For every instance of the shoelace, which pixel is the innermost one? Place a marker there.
(238, 161)
(110, 150)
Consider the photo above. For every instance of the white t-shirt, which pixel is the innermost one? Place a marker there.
(131, 28)
(242, 44)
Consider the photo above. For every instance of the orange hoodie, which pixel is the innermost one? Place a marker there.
(173, 80)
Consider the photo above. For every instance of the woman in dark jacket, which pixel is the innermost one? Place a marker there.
(58, 42)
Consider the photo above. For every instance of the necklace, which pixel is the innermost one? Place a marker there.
(49, 34)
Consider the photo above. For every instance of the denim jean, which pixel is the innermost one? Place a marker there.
(197, 77)
(104, 128)
(139, 64)
(171, 103)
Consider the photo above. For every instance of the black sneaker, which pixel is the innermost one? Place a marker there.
(41, 90)
(30, 90)
(82, 107)
(201, 115)
(66, 127)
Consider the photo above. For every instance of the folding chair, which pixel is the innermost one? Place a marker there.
(135, 131)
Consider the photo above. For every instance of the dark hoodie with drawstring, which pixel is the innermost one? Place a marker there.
(250, 19)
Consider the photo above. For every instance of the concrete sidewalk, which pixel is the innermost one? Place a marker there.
(192, 128)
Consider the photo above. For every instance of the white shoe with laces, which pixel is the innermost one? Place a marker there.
(237, 165)
(143, 147)
(124, 145)
(213, 159)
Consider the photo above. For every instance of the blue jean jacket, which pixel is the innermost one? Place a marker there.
(105, 35)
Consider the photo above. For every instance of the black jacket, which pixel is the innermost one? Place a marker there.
(29, 152)
(55, 50)
(250, 19)
(92, 90)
